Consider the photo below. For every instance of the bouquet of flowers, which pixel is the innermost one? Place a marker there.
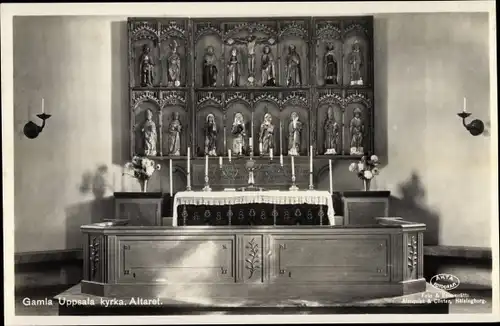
(141, 168)
(366, 169)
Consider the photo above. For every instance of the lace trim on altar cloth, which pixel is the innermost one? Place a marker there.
(277, 198)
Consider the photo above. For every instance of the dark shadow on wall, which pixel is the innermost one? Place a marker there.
(381, 88)
(411, 207)
(119, 93)
(95, 210)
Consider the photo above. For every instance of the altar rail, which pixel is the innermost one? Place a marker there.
(341, 262)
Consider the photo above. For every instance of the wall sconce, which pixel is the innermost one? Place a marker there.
(31, 129)
(475, 127)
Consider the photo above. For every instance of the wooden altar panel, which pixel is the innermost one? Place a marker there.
(358, 31)
(328, 33)
(174, 105)
(144, 260)
(143, 33)
(142, 102)
(208, 33)
(352, 260)
(173, 33)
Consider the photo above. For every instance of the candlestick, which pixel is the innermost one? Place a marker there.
(220, 161)
(465, 104)
(225, 138)
(260, 148)
(330, 174)
(229, 154)
(206, 164)
(271, 153)
(188, 185)
(281, 159)
(311, 163)
(294, 186)
(241, 149)
(43, 105)
(281, 141)
(251, 137)
(293, 166)
(251, 143)
(171, 181)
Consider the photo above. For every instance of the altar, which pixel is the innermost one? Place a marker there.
(308, 207)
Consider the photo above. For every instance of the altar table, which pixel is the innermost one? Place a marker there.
(260, 206)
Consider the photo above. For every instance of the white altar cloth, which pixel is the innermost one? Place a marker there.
(213, 198)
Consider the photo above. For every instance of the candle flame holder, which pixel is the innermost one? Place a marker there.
(475, 127)
(32, 130)
(294, 186)
(250, 166)
(311, 186)
(188, 186)
(207, 186)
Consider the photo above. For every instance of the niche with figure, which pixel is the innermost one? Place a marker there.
(294, 53)
(295, 122)
(328, 41)
(238, 117)
(267, 124)
(358, 122)
(146, 124)
(329, 124)
(357, 54)
(144, 56)
(209, 131)
(209, 54)
(174, 53)
(175, 123)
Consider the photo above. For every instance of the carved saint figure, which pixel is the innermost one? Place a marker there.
(210, 135)
(239, 133)
(357, 130)
(150, 134)
(174, 135)
(174, 66)
(331, 129)
(267, 67)
(266, 135)
(209, 67)
(294, 133)
(355, 64)
(233, 68)
(146, 67)
(293, 68)
(331, 65)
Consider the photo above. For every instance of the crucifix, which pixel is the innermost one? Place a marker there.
(250, 42)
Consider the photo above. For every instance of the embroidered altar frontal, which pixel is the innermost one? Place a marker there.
(253, 208)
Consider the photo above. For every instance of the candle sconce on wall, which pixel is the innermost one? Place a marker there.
(31, 129)
(475, 127)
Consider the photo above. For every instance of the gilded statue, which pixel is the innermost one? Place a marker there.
(210, 135)
(266, 136)
(332, 133)
(267, 67)
(357, 130)
(174, 135)
(150, 134)
(355, 64)
(146, 65)
(233, 68)
(330, 65)
(293, 68)
(238, 131)
(210, 68)
(174, 66)
(294, 134)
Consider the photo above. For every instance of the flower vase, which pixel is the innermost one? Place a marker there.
(366, 184)
(144, 185)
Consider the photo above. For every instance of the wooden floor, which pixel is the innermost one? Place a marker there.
(288, 307)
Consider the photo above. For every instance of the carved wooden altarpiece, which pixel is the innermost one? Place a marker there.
(184, 70)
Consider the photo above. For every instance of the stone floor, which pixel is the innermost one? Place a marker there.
(469, 305)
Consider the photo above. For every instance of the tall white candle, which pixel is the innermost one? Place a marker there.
(271, 153)
(206, 164)
(260, 147)
(281, 159)
(251, 142)
(224, 137)
(43, 105)
(241, 149)
(220, 160)
(293, 166)
(311, 163)
(229, 154)
(465, 104)
(330, 174)
(171, 180)
(252, 129)
(189, 160)
(281, 141)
